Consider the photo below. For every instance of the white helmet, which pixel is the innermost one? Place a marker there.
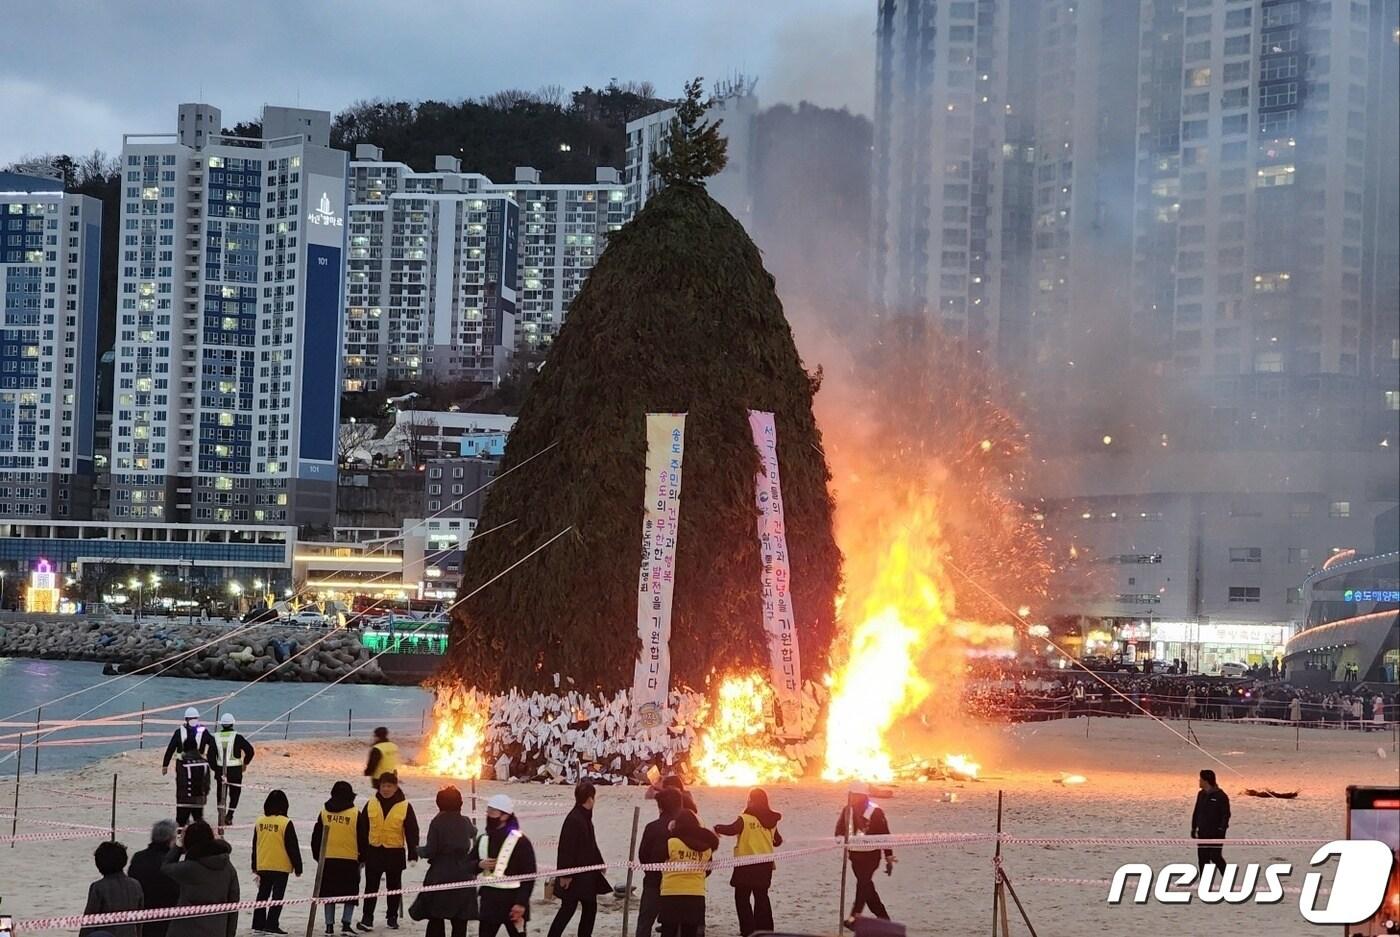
(226, 719)
(191, 713)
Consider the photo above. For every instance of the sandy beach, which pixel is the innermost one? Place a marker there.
(1140, 783)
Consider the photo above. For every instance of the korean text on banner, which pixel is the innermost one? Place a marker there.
(777, 577)
(651, 679)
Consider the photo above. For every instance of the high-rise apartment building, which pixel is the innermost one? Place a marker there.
(1252, 169)
(50, 253)
(228, 322)
(941, 144)
(735, 106)
(451, 273)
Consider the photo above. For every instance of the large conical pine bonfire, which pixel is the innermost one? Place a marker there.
(677, 315)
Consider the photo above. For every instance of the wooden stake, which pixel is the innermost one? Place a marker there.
(287, 729)
(141, 741)
(316, 886)
(845, 846)
(14, 822)
(38, 716)
(996, 864)
(114, 808)
(473, 796)
(349, 723)
(631, 856)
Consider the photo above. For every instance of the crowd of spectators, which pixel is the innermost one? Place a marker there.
(1176, 696)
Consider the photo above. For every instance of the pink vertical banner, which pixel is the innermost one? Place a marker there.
(776, 580)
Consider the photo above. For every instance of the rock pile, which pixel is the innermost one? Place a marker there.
(247, 656)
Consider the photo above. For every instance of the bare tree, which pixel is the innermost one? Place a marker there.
(353, 436)
(97, 166)
(506, 99)
(552, 95)
(419, 432)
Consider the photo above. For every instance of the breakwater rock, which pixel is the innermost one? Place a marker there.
(177, 649)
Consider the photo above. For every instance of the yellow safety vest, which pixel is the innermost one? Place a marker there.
(388, 758)
(338, 834)
(223, 741)
(386, 829)
(690, 882)
(270, 834)
(755, 839)
(483, 850)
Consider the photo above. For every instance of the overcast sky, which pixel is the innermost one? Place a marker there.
(77, 74)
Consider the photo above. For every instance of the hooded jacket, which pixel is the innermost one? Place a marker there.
(203, 879)
(759, 874)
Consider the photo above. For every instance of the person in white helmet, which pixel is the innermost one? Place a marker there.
(503, 850)
(235, 754)
(862, 817)
(196, 758)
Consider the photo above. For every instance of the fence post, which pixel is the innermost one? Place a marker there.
(287, 728)
(849, 815)
(316, 887)
(141, 742)
(423, 723)
(38, 717)
(631, 857)
(14, 821)
(996, 865)
(349, 723)
(473, 796)
(1297, 737)
(114, 808)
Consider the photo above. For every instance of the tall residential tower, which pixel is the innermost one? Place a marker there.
(50, 251)
(228, 328)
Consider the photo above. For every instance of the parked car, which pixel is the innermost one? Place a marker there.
(309, 618)
(1233, 670)
(256, 616)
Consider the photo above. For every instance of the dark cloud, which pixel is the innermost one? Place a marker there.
(76, 75)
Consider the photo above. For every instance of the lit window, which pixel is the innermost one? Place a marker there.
(1339, 509)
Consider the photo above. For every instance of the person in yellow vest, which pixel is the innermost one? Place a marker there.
(682, 905)
(504, 850)
(335, 843)
(276, 855)
(383, 757)
(235, 754)
(387, 827)
(757, 829)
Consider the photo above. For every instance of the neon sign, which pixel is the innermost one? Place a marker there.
(1371, 595)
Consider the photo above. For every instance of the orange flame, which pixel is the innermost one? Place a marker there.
(458, 740)
(732, 750)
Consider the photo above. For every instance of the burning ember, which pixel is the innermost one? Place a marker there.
(960, 766)
(732, 750)
(459, 733)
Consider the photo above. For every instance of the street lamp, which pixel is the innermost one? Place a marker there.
(2, 588)
(135, 583)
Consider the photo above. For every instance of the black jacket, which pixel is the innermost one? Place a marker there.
(209, 879)
(384, 855)
(200, 740)
(157, 889)
(874, 825)
(498, 901)
(1211, 818)
(117, 892)
(652, 848)
(578, 846)
(451, 858)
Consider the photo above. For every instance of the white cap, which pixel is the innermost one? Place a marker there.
(226, 719)
(501, 803)
(192, 713)
(859, 787)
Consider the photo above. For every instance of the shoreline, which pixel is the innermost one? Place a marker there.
(273, 652)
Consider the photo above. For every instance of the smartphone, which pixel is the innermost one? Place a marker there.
(1374, 813)
(7, 926)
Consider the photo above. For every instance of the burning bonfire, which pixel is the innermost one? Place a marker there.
(734, 750)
